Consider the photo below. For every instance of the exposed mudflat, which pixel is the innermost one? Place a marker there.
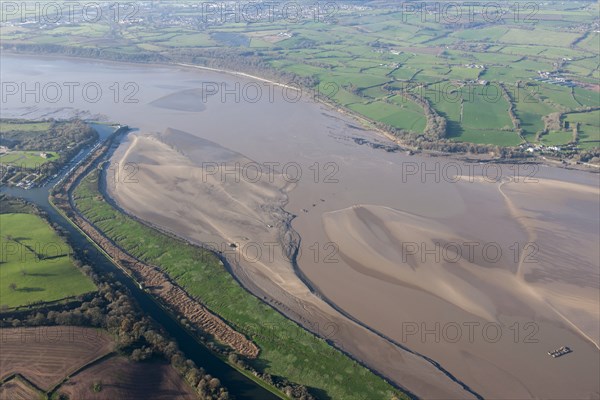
(379, 233)
(244, 219)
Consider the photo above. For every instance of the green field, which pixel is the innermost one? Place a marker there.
(539, 37)
(286, 349)
(400, 114)
(24, 127)
(530, 111)
(557, 138)
(37, 261)
(27, 159)
(589, 128)
(186, 40)
(486, 110)
(369, 47)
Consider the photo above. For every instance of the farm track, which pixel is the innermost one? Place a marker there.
(96, 361)
(18, 387)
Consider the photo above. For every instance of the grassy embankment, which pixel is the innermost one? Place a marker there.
(287, 350)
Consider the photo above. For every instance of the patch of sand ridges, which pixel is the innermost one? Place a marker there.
(365, 233)
(197, 187)
(176, 193)
(172, 184)
(564, 226)
(373, 240)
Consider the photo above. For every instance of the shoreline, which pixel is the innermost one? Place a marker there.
(364, 121)
(159, 284)
(295, 307)
(227, 266)
(245, 284)
(295, 205)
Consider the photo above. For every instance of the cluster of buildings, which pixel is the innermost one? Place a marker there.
(540, 148)
(554, 78)
(20, 177)
(481, 82)
(25, 177)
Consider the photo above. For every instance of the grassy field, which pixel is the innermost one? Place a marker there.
(286, 349)
(486, 110)
(405, 115)
(26, 126)
(27, 159)
(37, 261)
(530, 112)
(368, 45)
(557, 138)
(589, 127)
(539, 37)
(33, 151)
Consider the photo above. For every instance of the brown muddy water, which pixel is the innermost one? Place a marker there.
(448, 278)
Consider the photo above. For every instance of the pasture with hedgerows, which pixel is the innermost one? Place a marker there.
(36, 263)
(361, 56)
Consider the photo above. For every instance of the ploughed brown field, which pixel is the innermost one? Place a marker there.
(18, 389)
(46, 355)
(124, 379)
(71, 360)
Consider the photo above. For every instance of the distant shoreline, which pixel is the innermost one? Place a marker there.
(466, 157)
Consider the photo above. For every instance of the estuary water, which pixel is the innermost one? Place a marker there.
(451, 279)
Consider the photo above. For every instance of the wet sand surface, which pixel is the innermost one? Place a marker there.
(407, 246)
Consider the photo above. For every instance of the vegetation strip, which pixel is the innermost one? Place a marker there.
(148, 276)
(287, 350)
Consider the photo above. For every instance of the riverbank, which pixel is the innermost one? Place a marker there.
(254, 219)
(62, 202)
(378, 354)
(146, 276)
(278, 338)
(242, 385)
(313, 137)
(487, 156)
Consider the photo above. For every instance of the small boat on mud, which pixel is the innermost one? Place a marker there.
(560, 352)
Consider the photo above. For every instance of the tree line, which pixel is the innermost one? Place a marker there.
(137, 336)
(112, 308)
